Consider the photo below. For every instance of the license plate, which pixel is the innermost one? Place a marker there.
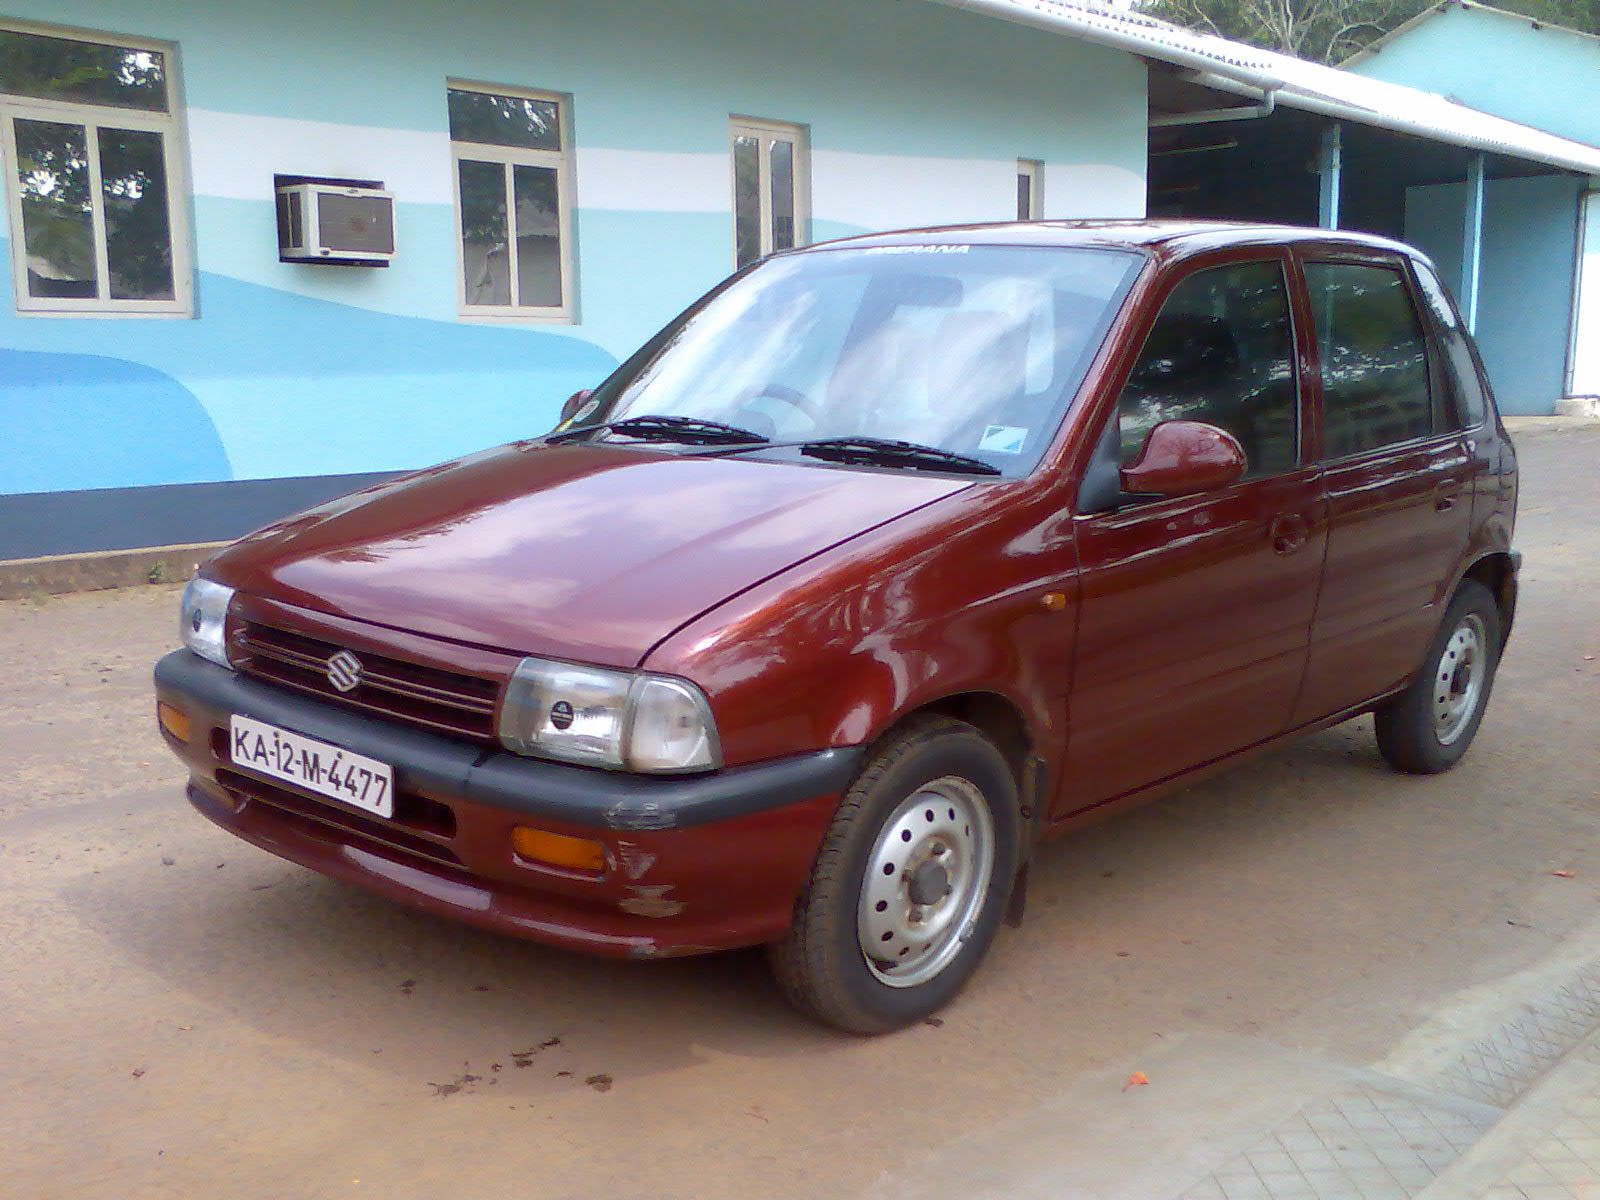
(331, 771)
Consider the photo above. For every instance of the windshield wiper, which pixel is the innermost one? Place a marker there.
(871, 451)
(668, 428)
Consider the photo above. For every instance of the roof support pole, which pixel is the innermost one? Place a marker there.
(1472, 241)
(1330, 165)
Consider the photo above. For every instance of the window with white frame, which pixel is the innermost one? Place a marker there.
(771, 187)
(93, 173)
(513, 185)
(1030, 189)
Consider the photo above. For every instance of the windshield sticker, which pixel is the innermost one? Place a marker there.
(917, 250)
(1003, 439)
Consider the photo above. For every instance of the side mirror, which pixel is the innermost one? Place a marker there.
(574, 402)
(1183, 458)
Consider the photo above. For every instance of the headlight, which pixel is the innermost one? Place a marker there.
(203, 619)
(624, 720)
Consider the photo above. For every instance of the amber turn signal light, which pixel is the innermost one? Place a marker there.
(558, 850)
(174, 721)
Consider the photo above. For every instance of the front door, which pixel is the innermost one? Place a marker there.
(1195, 611)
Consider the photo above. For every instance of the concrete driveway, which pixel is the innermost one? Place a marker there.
(186, 1016)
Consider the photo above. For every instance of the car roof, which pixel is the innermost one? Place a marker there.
(1181, 237)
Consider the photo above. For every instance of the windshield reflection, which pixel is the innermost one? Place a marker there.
(976, 350)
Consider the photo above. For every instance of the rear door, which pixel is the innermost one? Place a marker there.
(1398, 474)
(1195, 611)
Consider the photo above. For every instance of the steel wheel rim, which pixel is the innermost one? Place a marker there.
(942, 833)
(1458, 679)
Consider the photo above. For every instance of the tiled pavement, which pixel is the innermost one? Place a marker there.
(1444, 1137)
(1560, 1161)
(1360, 1143)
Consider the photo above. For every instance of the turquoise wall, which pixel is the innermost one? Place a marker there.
(1499, 63)
(292, 370)
(1525, 294)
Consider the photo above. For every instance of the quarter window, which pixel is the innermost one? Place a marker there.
(769, 188)
(91, 163)
(1030, 189)
(1221, 352)
(1374, 358)
(511, 153)
(1468, 403)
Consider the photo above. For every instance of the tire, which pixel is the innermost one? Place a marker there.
(935, 808)
(1428, 727)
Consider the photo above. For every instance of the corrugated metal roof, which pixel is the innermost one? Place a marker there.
(1297, 83)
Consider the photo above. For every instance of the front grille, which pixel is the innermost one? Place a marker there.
(435, 699)
(313, 816)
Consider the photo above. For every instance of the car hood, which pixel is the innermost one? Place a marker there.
(593, 553)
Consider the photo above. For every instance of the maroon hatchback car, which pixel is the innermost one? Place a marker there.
(888, 559)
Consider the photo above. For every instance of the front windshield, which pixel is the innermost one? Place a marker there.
(974, 350)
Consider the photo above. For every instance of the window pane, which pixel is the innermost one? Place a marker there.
(1468, 405)
(746, 199)
(979, 353)
(1220, 352)
(505, 120)
(538, 237)
(782, 193)
(57, 230)
(52, 68)
(485, 253)
(1024, 196)
(133, 186)
(1374, 358)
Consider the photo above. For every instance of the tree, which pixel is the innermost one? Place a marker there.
(1331, 30)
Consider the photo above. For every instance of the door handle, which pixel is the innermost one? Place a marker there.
(1446, 498)
(1289, 533)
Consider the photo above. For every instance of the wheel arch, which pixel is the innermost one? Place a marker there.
(1497, 571)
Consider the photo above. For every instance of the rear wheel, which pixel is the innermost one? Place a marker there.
(910, 884)
(1428, 727)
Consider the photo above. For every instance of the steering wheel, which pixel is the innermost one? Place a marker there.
(794, 398)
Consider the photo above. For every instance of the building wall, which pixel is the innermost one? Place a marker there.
(1525, 278)
(1585, 380)
(318, 376)
(1500, 64)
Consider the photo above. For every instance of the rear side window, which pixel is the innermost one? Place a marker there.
(1374, 358)
(1220, 352)
(1467, 404)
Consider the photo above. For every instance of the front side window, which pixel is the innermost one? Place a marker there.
(91, 157)
(972, 350)
(1374, 358)
(1221, 352)
(769, 188)
(511, 158)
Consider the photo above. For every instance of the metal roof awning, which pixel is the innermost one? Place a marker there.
(1227, 66)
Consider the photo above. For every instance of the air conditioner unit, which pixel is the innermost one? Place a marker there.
(334, 223)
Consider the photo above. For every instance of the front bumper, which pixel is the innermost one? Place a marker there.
(694, 863)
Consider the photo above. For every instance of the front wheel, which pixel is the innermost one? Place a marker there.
(1428, 727)
(910, 884)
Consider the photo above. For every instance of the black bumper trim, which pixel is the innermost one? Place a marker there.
(580, 795)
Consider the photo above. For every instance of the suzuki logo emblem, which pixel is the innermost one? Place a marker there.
(344, 671)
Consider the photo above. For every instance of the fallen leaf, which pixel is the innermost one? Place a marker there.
(138, 1071)
(600, 1083)
(1562, 874)
(1137, 1079)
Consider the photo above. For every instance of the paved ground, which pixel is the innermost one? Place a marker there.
(1339, 982)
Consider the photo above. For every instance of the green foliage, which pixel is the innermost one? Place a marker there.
(1331, 30)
